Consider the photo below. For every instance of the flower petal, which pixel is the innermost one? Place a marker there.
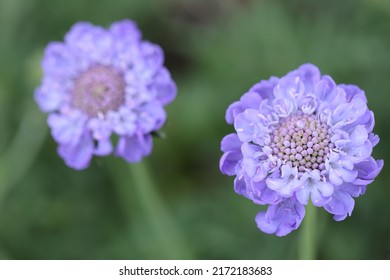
(369, 169)
(250, 127)
(91, 42)
(134, 148)
(240, 187)
(49, 97)
(282, 218)
(164, 87)
(289, 88)
(67, 128)
(151, 61)
(287, 184)
(265, 88)
(347, 113)
(151, 117)
(261, 194)
(353, 91)
(100, 128)
(78, 155)
(228, 162)
(59, 61)
(125, 30)
(103, 148)
(231, 143)
(340, 170)
(319, 190)
(122, 121)
(341, 204)
(231, 146)
(250, 100)
(309, 75)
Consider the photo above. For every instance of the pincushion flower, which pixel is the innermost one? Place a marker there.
(104, 82)
(300, 139)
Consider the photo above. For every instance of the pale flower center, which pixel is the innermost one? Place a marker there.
(98, 90)
(302, 141)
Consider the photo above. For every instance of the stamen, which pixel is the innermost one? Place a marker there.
(98, 90)
(303, 141)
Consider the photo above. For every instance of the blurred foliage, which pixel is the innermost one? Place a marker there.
(215, 49)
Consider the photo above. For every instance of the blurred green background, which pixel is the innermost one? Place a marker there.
(215, 49)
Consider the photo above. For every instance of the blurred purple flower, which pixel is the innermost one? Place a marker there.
(300, 138)
(100, 82)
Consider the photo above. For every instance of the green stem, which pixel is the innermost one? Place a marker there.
(143, 191)
(18, 158)
(307, 246)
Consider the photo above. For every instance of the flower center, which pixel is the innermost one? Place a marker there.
(98, 90)
(303, 141)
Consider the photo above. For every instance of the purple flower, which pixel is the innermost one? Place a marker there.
(100, 82)
(300, 139)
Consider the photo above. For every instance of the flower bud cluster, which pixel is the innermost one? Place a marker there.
(302, 141)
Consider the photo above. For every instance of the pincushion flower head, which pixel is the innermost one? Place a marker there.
(100, 82)
(300, 139)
